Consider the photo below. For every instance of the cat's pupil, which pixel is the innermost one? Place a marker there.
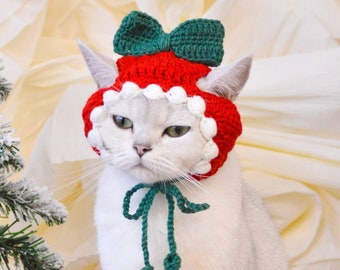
(122, 122)
(176, 131)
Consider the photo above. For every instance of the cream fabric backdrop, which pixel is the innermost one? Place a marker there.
(290, 147)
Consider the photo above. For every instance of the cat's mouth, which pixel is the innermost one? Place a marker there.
(141, 166)
(143, 172)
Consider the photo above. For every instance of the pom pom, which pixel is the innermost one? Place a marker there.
(210, 150)
(98, 115)
(153, 91)
(202, 167)
(177, 95)
(110, 97)
(129, 90)
(94, 139)
(196, 105)
(208, 127)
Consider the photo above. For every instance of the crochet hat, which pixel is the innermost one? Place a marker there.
(160, 65)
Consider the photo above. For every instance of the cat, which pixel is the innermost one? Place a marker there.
(147, 136)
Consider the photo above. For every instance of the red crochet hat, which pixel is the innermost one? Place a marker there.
(165, 75)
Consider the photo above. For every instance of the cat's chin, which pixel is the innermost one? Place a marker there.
(145, 175)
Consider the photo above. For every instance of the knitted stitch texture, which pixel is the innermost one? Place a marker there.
(167, 70)
(197, 40)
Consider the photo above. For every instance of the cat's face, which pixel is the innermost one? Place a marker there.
(154, 136)
(153, 140)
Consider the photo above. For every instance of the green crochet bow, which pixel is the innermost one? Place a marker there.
(197, 40)
(172, 260)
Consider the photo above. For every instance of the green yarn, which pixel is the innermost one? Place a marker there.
(197, 40)
(171, 191)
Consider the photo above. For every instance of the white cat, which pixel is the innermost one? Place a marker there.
(147, 136)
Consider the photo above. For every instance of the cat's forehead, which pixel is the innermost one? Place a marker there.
(160, 111)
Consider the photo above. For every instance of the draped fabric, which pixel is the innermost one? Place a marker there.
(290, 147)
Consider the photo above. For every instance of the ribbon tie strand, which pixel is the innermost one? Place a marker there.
(171, 191)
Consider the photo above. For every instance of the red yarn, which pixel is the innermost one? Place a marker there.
(166, 70)
(94, 101)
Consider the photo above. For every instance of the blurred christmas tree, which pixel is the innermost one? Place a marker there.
(25, 203)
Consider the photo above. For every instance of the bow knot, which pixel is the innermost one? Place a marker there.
(197, 40)
(172, 260)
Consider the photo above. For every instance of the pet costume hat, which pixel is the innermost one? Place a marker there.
(161, 65)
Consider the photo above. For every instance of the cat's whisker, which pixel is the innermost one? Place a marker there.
(86, 191)
(188, 179)
(69, 184)
(75, 174)
(81, 167)
(80, 191)
(82, 174)
(80, 186)
(191, 183)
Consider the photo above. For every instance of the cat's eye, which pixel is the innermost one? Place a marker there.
(176, 131)
(122, 122)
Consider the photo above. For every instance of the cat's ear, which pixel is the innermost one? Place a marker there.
(227, 81)
(103, 69)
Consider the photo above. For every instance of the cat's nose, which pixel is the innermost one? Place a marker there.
(141, 149)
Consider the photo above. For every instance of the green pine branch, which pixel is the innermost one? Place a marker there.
(26, 251)
(5, 88)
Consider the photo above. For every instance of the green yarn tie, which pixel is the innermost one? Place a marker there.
(196, 40)
(171, 191)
